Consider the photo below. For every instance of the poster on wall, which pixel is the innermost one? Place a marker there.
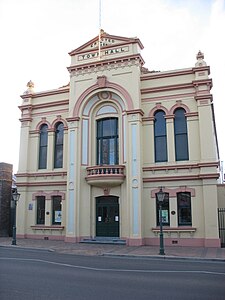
(58, 216)
(165, 216)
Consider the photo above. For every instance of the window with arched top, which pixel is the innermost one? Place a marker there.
(107, 141)
(180, 135)
(58, 149)
(43, 146)
(160, 138)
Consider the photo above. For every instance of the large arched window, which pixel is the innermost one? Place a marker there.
(180, 132)
(43, 147)
(58, 150)
(160, 136)
(107, 141)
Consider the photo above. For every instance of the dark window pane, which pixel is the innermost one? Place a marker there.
(165, 211)
(58, 155)
(181, 137)
(40, 210)
(182, 148)
(56, 210)
(43, 147)
(161, 149)
(107, 141)
(184, 209)
(160, 137)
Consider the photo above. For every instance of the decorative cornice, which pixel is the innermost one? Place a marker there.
(122, 41)
(41, 174)
(135, 111)
(167, 88)
(108, 64)
(184, 166)
(201, 69)
(73, 119)
(43, 183)
(182, 178)
(204, 97)
(150, 76)
(46, 93)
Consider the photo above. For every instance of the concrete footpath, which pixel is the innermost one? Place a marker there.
(117, 250)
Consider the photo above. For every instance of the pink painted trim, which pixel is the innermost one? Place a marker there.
(135, 242)
(156, 108)
(182, 177)
(123, 40)
(204, 97)
(41, 174)
(41, 237)
(44, 227)
(173, 192)
(183, 166)
(156, 75)
(43, 121)
(135, 111)
(212, 243)
(169, 97)
(45, 183)
(179, 105)
(95, 87)
(167, 88)
(113, 102)
(46, 93)
(188, 242)
(57, 120)
(40, 193)
(106, 62)
(70, 239)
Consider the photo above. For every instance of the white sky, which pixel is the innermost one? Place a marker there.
(36, 36)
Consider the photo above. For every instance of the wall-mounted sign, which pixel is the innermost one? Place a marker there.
(103, 53)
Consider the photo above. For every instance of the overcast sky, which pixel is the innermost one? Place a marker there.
(36, 36)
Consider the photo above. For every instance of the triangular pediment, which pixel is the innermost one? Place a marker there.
(106, 40)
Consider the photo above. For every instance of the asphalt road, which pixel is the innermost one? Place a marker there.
(34, 274)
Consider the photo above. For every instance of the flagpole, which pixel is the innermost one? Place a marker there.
(99, 35)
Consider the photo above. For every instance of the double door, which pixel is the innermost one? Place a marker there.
(107, 216)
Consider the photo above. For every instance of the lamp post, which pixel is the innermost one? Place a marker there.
(15, 198)
(160, 197)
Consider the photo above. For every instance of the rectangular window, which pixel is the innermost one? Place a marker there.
(184, 209)
(40, 210)
(165, 211)
(56, 210)
(107, 142)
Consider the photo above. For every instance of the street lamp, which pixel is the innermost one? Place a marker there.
(160, 197)
(15, 198)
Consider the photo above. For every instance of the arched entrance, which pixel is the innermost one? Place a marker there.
(107, 216)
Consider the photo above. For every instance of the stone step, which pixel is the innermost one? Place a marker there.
(104, 240)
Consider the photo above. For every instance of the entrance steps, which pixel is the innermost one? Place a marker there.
(104, 240)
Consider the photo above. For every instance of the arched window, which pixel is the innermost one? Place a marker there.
(180, 132)
(160, 136)
(58, 150)
(107, 141)
(43, 147)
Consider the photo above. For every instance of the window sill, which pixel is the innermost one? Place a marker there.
(178, 230)
(44, 227)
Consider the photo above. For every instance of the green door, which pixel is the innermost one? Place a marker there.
(107, 216)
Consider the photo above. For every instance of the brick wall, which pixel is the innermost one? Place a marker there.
(5, 197)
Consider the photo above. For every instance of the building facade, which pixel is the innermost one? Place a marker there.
(94, 153)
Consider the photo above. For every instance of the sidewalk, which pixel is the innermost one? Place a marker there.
(117, 250)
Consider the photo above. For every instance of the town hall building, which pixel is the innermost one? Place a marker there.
(95, 153)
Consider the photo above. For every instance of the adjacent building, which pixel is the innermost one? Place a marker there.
(5, 198)
(94, 153)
